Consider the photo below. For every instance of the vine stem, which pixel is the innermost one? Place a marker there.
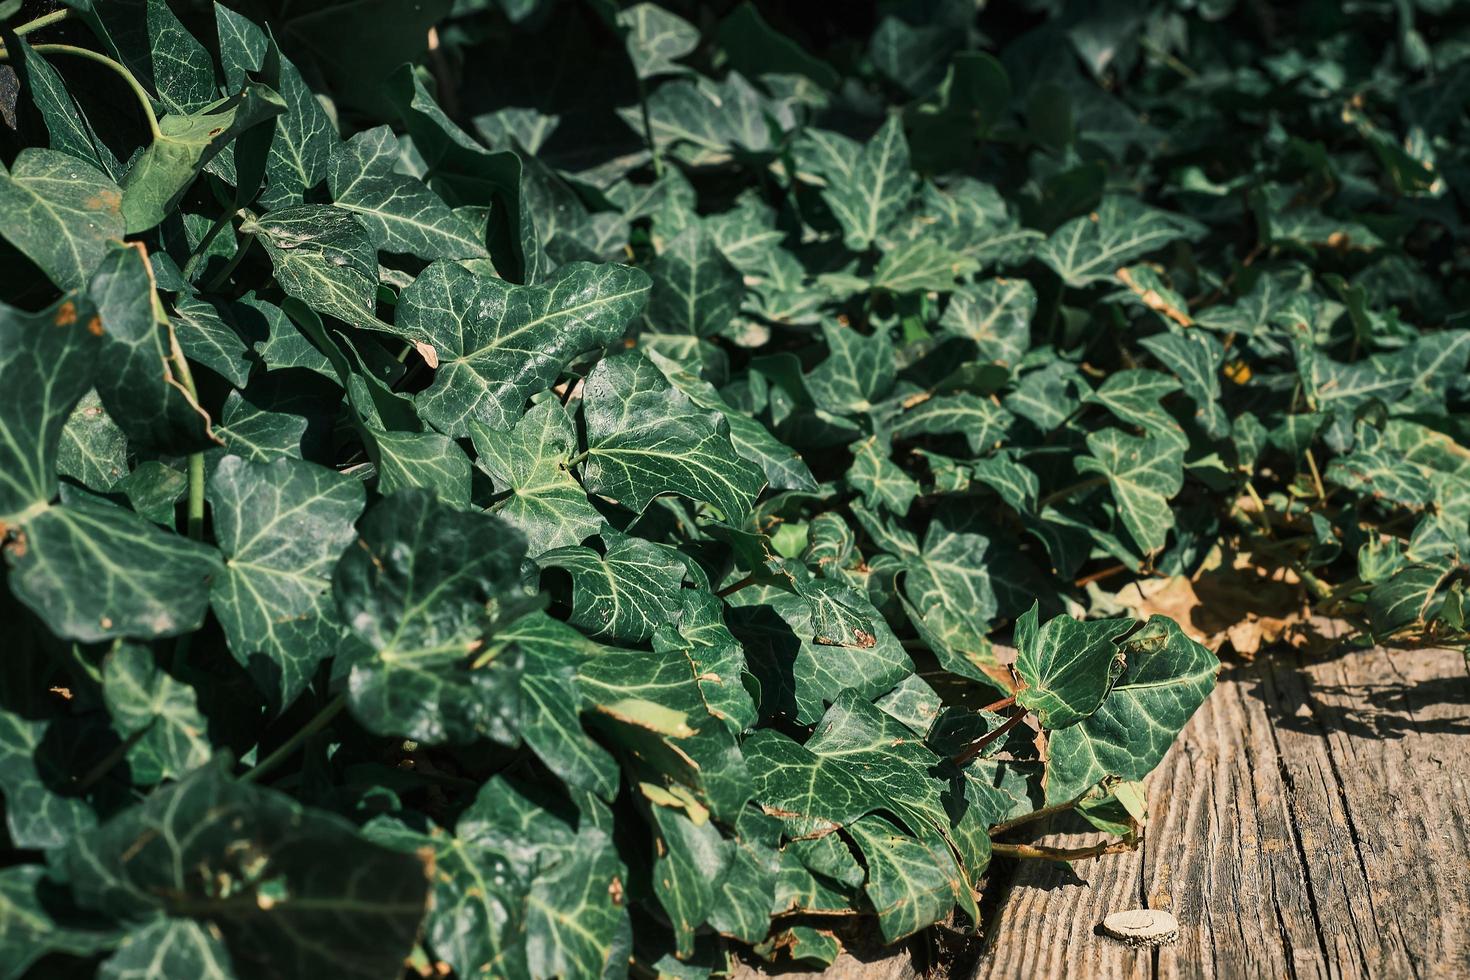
(976, 747)
(45, 20)
(1034, 815)
(1040, 853)
(734, 587)
(102, 768)
(319, 721)
(144, 101)
(658, 160)
(224, 274)
(219, 225)
(1055, 495)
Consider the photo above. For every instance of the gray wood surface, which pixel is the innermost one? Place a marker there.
(1312, 821)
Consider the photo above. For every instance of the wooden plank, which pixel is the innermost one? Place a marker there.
(846, 967)
(1312, 821)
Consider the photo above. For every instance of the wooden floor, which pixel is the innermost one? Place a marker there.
(1312, 821)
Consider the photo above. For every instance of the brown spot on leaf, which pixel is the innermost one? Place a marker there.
(66, 314)
(63, 692)
(427, 352)
(864, 638)
(105, 201)
(615, 890)
(94, 326)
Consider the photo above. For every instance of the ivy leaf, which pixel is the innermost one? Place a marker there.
(185, 143)
(695, 288)
(912, 883)
(1093, 247)
(1133, 396)
(546, 503)
(996, 314)
(981, 421)
(414, 589)
(169, 948)
(866, 189)
(46, 364)
(858, 371)
(691, 859)
(141, 391)
(36, 816)
(304, 135)
(399, 212)
(324, 258)
(496, 344)
(656, 38)
(477, 911)
(574, 911)
(356, 916)
(782, 465)
(60, 213)
(879, 480)
(161, 713)
(281, 527)
(93, 450)
(31, 927)
(646, 438)
(921, 265)
(551, 702)
(96, 571)
(1195, 358)
(650, 705)
(624, 593)
(1068, 665)
(1167, 677)
(1143, 474)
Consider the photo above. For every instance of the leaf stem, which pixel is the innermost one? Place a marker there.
(734, 587)
(1040, 853)
(204, 243)
(223, 276)
(1033, 816)
(144, 101)
(658, 160)
(105, 765)
(1065, 492)
(287, 748)
(1316, 476)
(45, 20)
(1000, 705)
(195, 524)
(974, 749)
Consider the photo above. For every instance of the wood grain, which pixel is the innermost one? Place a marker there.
(1312, 821)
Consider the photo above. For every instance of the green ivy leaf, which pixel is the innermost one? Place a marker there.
(414, 590)
(1068, 665)
(400, 213)
(494, 344)
(46, 364)
(96, 571)
(646, 438)
(60, 212)
(158, 179)
(281, 527)
(162, 714)
(284, 909)
(1167, 677)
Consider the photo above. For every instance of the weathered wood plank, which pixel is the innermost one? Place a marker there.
(1311, 822)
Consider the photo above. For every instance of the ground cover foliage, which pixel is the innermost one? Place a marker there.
(535, 488)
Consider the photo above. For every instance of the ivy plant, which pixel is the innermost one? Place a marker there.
(552, 488)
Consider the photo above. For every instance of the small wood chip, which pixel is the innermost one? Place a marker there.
(1142, 927)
